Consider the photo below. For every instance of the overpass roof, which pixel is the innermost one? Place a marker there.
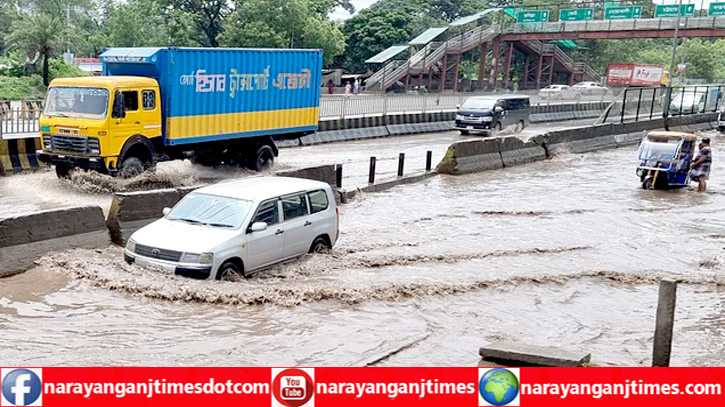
(385, 55)
(428, 35)
(473, 17)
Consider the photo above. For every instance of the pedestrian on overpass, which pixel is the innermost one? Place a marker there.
(701, 165)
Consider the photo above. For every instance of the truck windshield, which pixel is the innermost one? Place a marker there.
(66, 101)
(210, 210)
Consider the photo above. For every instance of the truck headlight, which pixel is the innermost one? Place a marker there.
(131, 245)
(46, 142)
(94, 146)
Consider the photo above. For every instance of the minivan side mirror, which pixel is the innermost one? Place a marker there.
(259, 226)
(118, 111)
(498, 109)
(166, 211)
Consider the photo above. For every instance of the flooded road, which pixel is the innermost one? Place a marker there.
(564, 252)
(42, 190)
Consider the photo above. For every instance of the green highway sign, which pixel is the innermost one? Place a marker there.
(535, 16)
(576, 14)
(688, 10)
(622, 12)
(716, 9)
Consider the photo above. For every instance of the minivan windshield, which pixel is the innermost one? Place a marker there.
(210, 210)
(479, 104)
(67, 101)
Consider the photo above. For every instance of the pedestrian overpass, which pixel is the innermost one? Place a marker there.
(490, 38)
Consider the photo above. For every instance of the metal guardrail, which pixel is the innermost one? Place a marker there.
(713, 22)
(340, 106)
(23, 122)
(635, 104)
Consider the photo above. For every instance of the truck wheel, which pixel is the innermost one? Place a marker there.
(131, 167)
(63, 171)
(263, 159)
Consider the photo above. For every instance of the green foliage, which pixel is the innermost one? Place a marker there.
(284, 24)
(26, 88)
(60, 69)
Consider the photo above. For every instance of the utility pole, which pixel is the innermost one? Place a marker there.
(666, 110)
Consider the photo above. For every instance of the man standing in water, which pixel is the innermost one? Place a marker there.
(701, 165)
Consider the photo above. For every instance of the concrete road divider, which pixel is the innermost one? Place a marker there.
(514, 151)
(24, 238)
(133, 210)
(17, 155)
(517, 354)
(324, 173)
(469, 156)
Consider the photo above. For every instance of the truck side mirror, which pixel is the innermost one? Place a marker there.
(118, 111)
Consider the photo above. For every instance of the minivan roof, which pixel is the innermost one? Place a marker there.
(261, 188)
(499, 97)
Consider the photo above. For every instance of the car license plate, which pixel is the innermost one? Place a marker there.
(469, 127)
(156, 266)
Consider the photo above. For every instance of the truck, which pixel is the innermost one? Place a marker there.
(211, 106)
(636, 75)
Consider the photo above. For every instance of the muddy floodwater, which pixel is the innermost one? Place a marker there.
(565, 252)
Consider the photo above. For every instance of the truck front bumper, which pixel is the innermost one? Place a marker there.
(84, 162)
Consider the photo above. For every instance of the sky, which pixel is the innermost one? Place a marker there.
(341, 14)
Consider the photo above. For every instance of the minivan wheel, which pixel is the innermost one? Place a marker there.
(229, 271)
(319, 245)
(520, 126)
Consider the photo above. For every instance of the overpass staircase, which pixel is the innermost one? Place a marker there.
(432, 58)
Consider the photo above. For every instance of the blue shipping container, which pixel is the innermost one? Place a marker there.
(210, 94)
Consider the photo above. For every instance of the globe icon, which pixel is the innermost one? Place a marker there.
(498, 387)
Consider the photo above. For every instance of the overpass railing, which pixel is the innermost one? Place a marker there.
(636, 104)
(21, 120)
(341, 106)
(713, 22)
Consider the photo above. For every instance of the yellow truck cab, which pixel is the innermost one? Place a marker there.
(85, 125)
(212, 106)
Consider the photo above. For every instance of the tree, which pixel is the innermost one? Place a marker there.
(140, 23)
(208, 17)
(39, 33)
(284, 24)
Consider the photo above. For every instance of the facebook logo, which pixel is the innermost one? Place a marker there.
(22, 387)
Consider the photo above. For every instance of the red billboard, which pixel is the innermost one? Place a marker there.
(634, 75)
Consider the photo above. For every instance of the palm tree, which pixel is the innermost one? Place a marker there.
(38, 32)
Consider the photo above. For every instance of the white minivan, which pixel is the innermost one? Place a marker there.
(232, 229)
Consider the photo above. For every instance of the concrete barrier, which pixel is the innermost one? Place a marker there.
(131, 211)
(497, 152)
(517, 354)
(514, 151)
(17, 155)
(324, 173)
(469, 156)
(24, 238)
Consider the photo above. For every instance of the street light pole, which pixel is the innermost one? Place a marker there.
(666, 110)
